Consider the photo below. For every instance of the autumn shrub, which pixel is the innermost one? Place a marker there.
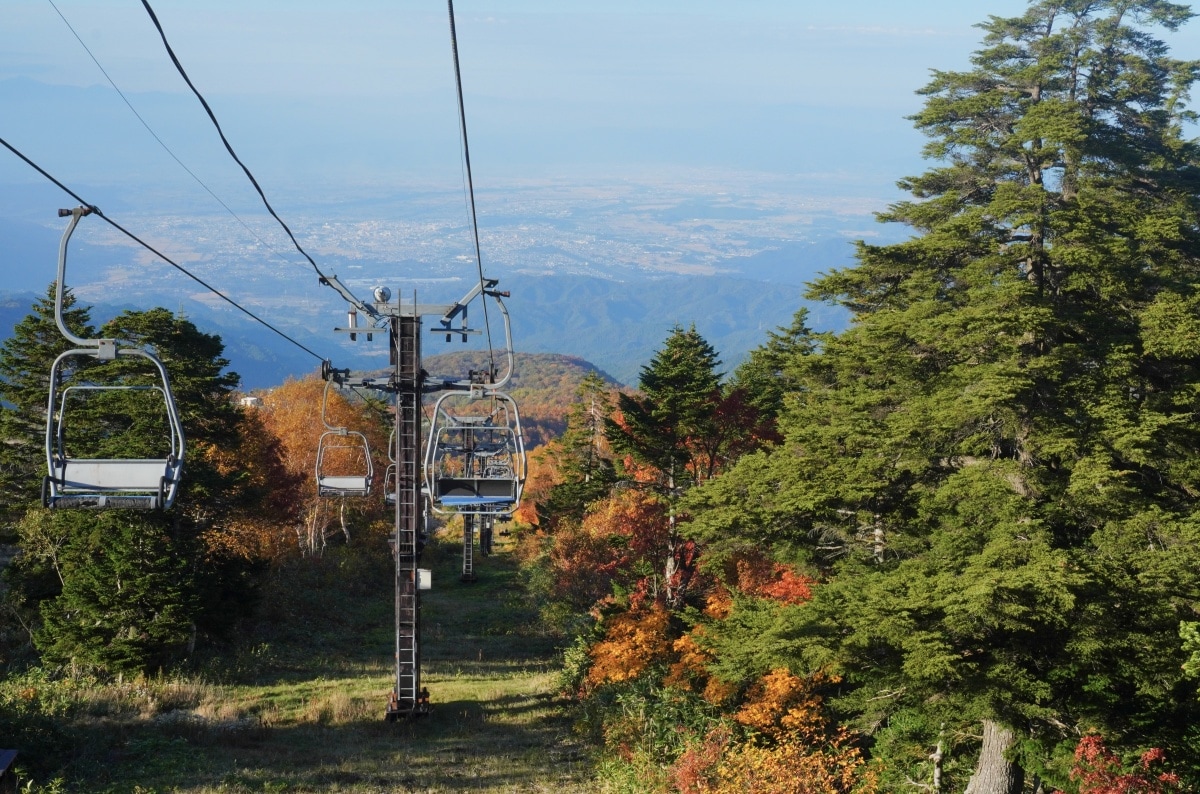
(632, 642)
(695, 771)
(1098, 770)
(785, 745)
(793, 766)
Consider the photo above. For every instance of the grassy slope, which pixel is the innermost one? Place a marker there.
(303, 711)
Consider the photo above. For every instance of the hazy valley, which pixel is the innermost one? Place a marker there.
(599, 271)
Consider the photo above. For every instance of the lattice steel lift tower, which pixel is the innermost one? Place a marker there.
(408, 382)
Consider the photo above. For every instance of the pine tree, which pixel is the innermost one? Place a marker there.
(25, 361)
(996, 467)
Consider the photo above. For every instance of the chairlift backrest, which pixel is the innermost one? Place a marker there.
(76, 479)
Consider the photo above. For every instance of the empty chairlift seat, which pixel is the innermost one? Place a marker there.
(344, 466)
(79, 479)
(475, 462)
(125, 446)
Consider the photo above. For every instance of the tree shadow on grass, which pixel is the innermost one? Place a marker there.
(509, 743)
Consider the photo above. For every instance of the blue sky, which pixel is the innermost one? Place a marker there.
(549, 84)
(363, 89)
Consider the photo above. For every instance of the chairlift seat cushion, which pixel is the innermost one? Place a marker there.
(107, 475)
(457, 491)
(344, 485)
(471, 501)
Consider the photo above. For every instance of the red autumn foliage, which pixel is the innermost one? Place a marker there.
(754, 574)
(1099, 771)
(619, 540)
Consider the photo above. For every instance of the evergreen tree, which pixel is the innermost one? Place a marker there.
(25, 361)
(664, 430)
(996, 467)
(768, 374)
(99, 579)
(659, 428)
(584, 461)
(128, 599)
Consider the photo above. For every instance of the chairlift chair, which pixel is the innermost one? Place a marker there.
(78, 480)
(83, 481)
(344, 465)
(475, 464)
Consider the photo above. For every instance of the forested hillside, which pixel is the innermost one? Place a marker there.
(543, 385)
(953, 548)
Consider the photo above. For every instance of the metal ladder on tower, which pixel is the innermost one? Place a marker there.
(408, 698)
(468, 549)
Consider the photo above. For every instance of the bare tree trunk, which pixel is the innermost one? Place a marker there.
(670, 566)
(994, 773)
(936, 757)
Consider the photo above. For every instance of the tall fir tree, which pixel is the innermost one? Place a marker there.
(679, 391)
(25, 361)
(768, 374)
(662, 429)
(996, 468)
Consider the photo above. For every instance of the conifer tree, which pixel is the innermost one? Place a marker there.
(662, 430)
(768, 375)
(679, 390)
(127, 590)
(996, 468)
(584, 461)
(25, 361)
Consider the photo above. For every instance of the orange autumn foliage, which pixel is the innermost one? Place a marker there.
(689, 671)
(291, 413)
(793, 750)
(782, 703)
(544, 473)
(617, 538)
(261, 494)
(792, 767)
(632, 642)
(756, 575)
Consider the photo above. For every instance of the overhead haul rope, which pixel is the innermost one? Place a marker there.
(330, 281)
(462, 117)
(96, 211)
(154, 134)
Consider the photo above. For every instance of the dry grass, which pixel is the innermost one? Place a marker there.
(303, 711)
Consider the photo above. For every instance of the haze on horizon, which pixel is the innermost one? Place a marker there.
(598, 125)
(364, 90)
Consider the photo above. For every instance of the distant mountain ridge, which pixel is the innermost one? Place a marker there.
(616, 326)
(543, 386)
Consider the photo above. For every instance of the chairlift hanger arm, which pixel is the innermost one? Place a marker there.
(461, 306)
(102, 348)
(377, 320)
(486, 288)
